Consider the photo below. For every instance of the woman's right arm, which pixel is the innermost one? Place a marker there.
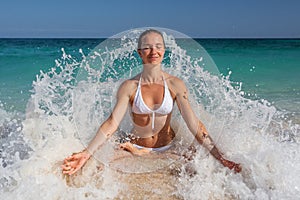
(75, 162)
(113, 121)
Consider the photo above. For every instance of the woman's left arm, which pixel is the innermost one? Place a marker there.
(196, 126)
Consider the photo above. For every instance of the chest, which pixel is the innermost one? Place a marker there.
(152, 94)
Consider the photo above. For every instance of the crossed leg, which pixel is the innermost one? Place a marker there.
(129, 147)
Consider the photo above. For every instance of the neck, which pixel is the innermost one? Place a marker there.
(152, 73)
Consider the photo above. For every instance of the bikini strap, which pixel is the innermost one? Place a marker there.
(140, 81)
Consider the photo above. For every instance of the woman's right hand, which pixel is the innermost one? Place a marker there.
(75, 162)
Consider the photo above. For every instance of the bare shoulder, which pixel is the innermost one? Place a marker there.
(175, 84)
(128, 86)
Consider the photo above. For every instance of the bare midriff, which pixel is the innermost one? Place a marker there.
(159, 139)
(145, 136)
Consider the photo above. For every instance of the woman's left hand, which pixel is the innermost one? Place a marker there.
(231, 165)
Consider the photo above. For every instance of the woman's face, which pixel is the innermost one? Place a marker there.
(152, 49)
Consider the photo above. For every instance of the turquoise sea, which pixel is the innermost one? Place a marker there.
(255, 101)
(267, 68)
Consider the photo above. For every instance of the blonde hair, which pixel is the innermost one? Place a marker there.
(147, 32)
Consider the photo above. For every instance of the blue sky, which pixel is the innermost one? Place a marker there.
(195, 18)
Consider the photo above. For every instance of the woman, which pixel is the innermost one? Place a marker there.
(151, 96)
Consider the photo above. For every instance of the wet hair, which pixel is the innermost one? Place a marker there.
(147, 32)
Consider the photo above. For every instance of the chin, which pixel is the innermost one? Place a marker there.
(155, 62)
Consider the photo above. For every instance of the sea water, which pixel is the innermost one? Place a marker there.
(251, 110)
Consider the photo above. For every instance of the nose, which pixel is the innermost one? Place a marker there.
(153, 50)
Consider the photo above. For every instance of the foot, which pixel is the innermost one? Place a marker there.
(129, 147)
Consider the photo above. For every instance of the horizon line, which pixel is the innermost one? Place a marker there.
(175, 37)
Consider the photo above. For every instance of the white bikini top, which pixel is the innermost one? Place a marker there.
(139, 106)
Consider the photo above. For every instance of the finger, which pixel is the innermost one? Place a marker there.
(66, 162)
(238, 168)
(74, 170)
(68, 159)
(73, 157)
(69, 170)
(65, 167)
(66, 172)
(73, 163)
(78, 166)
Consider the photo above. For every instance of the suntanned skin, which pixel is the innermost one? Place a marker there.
(152, 52)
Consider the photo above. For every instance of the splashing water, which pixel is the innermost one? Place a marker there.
(69, 102)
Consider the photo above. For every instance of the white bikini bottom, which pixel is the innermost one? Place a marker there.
(158, 149)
